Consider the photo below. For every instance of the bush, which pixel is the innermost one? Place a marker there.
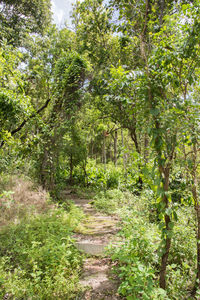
(182, 256)
(137, 259)
(137, 255)
(38, 258)
(101, 178)
(111, 177)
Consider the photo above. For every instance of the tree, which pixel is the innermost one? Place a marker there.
(161, 85)
(14, 104)
(19, 18)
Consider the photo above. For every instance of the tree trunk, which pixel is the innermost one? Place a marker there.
(124, 154)
(137, 147)
(198, 244)
(165, 255)
(104, 151)
(43, 169)
(197, 208)
(135, 140)
(115, 148)
(162, 9)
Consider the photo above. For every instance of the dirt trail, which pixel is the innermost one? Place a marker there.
(95, 233)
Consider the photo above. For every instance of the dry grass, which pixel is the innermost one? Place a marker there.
(19, 198)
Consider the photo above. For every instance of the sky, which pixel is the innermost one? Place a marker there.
(61, 11)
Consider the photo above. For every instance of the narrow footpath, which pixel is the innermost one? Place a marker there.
(96, 232)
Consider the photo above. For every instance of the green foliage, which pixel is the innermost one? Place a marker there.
(179, 189)
(38, 258)
(13, 107)
(14, 104)
(182, 255)
(89, 91)
(137, 257)
(138, 252)
(91, 19)
(110, 200)
(21, 18)
(75, 149)
(99, 177)
(69, 74)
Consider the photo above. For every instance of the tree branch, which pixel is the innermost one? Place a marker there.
(26, 120)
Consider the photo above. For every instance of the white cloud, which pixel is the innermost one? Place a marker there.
(61, 11)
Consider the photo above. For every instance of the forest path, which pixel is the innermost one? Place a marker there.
(93, 235)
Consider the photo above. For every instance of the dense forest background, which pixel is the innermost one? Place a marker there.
(109, 108)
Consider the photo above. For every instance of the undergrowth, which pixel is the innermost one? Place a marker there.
(38, 259)
(137, 255)
(110, 201)
(20, 198)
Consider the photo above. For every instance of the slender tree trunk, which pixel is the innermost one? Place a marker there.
(85, 171)
(137, 147)
(115, 148)
(198, 244)
(104, 151)
(135, 140)
(197, 208)
(162, 9)
(43, 169)
(164, 259)
(124, 154)
(71, 170)
(53, 161)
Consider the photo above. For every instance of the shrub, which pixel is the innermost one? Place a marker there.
(38, 258)
(101, 178)
(137, 255)
(137, 259)
(111, 200)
